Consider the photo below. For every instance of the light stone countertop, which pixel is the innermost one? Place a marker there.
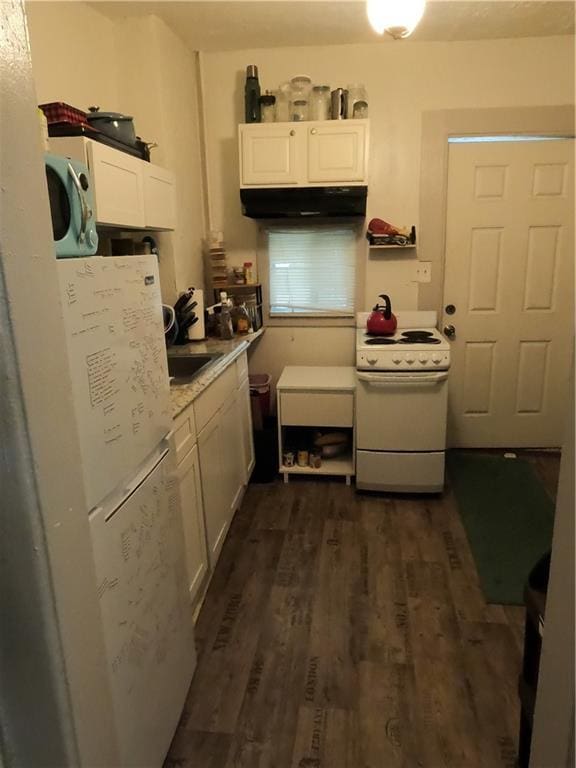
(181, 395)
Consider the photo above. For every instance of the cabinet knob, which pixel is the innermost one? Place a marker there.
(292, 132)
(313, 131)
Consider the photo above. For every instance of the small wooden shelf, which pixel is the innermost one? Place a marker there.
(339, 465)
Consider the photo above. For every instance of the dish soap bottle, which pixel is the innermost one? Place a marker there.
(252, 95)
(226, 330)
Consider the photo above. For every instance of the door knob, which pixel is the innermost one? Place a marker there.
(449, 331)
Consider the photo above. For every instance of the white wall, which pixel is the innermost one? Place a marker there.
(403, 79)
(138, 66)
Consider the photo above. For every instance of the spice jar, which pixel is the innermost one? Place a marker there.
(302, 458)
(299, 110)
(315, 459)
(268, 108)
(320, 103)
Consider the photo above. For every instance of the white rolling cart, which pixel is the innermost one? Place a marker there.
(321, 397)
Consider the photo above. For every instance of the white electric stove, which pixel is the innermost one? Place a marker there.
(401, 405)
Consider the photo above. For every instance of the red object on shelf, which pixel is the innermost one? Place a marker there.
(59, 112)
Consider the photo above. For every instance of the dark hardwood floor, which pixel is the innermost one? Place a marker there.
(346, 630)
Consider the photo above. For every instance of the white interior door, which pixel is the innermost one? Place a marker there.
(509, 276)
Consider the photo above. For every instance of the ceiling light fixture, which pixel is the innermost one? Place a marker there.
(397, 17)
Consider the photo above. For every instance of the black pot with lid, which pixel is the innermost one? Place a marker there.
(113, 124)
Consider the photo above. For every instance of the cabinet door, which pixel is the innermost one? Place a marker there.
(216, 510)
(232, 453)
(159, 197)
(247, 436)
(337, 152)
(193, 521)
(118, 186)
(269, 154)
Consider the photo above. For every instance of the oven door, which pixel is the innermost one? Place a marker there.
(401, 411)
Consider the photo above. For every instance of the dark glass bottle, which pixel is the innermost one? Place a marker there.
(252, 95)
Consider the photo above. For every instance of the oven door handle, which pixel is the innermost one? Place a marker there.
(424, 379)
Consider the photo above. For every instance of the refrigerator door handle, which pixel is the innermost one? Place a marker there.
(112, 503)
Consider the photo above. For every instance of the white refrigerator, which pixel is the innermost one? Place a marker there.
(114, 329)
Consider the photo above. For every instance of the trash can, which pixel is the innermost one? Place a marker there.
(265, 430)
(259, 398)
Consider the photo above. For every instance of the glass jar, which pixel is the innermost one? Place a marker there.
(320, 103)
(360, 110)
(301, 86)
(267, 108)
(283, 99)
(356, 92)
(299, 110)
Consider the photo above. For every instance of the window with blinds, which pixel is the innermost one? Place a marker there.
(312, 271)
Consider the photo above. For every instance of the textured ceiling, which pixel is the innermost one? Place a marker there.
(235, 24)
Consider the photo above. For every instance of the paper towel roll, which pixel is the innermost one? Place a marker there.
(197, 331)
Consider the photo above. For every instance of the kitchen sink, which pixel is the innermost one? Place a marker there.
(183, 368)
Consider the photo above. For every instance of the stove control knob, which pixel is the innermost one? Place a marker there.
(423, 358)
(371, 360)
(396, 358)
(410, 359)
(436, 358)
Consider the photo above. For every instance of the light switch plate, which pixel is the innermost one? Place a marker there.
(424, 272)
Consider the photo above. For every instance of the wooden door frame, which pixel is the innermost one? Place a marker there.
(437, 128)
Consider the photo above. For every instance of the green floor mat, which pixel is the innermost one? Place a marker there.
(508, 518)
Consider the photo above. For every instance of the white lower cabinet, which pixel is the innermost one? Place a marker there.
(216, 515)
(232, 453)
(247, 434)
(193, 521)
(213, 468)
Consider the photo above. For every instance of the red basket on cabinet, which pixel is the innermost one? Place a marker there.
(59, 112)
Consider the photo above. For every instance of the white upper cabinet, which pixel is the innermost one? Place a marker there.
(337, 151)
(118, 186)
(269, 157)
(331, 152)
(159, 197)
(128, 192)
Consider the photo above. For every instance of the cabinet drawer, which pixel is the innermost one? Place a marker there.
(310, 409)
(206, 404)
(241, 369)
(184, 433)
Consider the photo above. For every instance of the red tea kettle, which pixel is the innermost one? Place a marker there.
(381, 321)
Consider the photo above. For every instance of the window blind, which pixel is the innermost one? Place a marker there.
(312, 271)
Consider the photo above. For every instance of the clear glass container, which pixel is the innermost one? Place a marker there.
(283, 99)
(268, 108)
(301, 86)
(360, 110)
(356, 92)
(320, 103)
(299, 110)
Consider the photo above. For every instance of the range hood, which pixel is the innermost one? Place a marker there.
(303, 202)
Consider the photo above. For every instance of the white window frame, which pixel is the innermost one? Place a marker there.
(317, 320)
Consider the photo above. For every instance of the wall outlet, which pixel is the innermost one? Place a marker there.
(424, 272)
